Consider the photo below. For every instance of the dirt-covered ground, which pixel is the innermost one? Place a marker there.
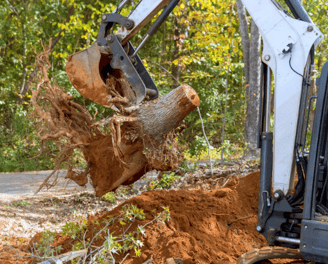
(212, 218)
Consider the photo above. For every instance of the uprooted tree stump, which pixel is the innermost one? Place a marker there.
(140, 140)
(145, 144)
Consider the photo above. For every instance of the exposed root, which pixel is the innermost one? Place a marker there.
(125, 154)
(120, 91)
(80, 178)
(164, 156)
(66, 123)
(115, 126)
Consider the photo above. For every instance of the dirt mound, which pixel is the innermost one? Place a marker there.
(205, 227)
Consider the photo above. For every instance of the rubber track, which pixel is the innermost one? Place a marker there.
(268, 253)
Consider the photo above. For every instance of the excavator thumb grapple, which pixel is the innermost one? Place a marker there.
(113, 55)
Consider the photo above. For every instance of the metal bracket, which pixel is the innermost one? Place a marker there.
(108, 20)
(151, 88)
(121, 61)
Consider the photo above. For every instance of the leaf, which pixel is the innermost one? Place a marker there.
(138, 252)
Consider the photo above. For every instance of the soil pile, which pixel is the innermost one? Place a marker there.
(205, 226)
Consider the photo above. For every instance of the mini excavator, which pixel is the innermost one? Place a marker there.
(293, 192)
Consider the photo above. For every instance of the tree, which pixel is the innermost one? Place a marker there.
(252, 63)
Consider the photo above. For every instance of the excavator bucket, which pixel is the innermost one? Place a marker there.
(88, 70)
(83, 70)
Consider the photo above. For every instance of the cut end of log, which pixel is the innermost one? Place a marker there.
(191, 94)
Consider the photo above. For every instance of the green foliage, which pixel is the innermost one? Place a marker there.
(131, 212)
(44, 246)
(75, 229)
(199, 146)
(165, 181)
(123, 191)
(109, 197)
(128, 240)
(21, 203)
(19, 143)
(198, 44)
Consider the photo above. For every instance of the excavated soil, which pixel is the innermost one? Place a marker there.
(105, 168)
(205, 227)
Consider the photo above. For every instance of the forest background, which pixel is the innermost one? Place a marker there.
(199, 44)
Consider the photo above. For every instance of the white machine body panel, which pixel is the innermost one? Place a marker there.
(278, 30)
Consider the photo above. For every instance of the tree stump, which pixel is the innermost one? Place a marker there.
(147, 142)
(141, 138)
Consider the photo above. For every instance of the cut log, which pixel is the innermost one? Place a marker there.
(161, 116)
(146, 143)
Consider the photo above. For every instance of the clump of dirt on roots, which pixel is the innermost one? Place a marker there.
(205, 226)
(109, 156)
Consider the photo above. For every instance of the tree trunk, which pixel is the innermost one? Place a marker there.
(252, 63)
(146, 142)
(176, 50)
(252, 96)
(244, 37)
(225, 113)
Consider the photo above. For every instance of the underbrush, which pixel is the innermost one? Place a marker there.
(19, 145)
(200, 152)
(131, 219)
(165, 181)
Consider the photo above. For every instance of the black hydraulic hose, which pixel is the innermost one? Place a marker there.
(166, 11)
(299, 189)
(155, 26)
(312, 55)
(298, 10)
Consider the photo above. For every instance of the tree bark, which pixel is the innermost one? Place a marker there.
(252, 64)
(146, 143)
(225, 113)
(176, 50)
(244, 38)
(252, 96)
